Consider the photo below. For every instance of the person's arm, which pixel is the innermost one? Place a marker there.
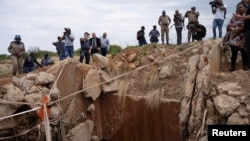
(9, 48)
(169, 19)
(186, 14)
(108, 47)
(159, 21)
(197, 14)
(246, 17)
(213, 9)
(34, 59)
(23, 50)
(71, 37)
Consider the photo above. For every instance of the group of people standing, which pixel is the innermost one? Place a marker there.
(21, 65)
(88, 45)
(238, 35)
(64, 47)
(196, 31)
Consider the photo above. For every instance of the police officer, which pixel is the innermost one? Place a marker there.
(17, 49)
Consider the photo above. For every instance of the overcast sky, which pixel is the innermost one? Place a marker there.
(39, 22)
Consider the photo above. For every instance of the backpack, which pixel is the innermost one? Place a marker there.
(201, 34)
(203, 31)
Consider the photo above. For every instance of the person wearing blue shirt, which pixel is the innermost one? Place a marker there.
(154, 34)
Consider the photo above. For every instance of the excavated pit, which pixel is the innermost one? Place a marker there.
(118, 118)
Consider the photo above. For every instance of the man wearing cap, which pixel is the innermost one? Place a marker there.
(141, 36)
(104, 44)
(154, 34)
(69, 45)
(164, 22)
(17, 49)
(85, 48)
(192, 21)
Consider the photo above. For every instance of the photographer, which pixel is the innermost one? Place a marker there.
(219, 10)
(69, 46)
(192, 20)
(179, 23)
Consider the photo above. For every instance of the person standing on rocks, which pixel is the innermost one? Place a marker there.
(69, 42)
(236, 35)
(179, 23)
(17, 49)
(192, 16)
(59, 48)
(154, 34)
(85, 48)
(164, 21)
(246, 30)
(141, 36)
(104, 44)
(95, 44)
(218, 9)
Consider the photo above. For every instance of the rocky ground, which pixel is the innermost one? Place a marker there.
(190, 81)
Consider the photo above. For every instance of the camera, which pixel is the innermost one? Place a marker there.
(67, 31)
(214, 3)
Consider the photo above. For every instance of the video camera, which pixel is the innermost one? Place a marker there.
(67, 31)
(214, 3)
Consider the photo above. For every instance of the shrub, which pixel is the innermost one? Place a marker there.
(114, 49)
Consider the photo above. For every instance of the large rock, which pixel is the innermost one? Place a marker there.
(90, 83)
(100, 61)
(82, 132)
(225, 105)
(43, 78)
(110, 86)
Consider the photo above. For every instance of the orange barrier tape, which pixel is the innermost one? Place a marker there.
(41, 113)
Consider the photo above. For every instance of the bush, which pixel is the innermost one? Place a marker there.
(4, 57)
(114, 49)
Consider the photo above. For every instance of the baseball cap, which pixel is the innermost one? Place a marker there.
(193, 7)
(17, 37)
(163, 11)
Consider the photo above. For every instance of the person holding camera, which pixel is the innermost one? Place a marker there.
(85, 48)
(69, 45)
(192, 16)
(164, 21)
(179, 23)
(218, 9)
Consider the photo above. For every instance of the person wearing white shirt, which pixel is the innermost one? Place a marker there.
(219, 10)
(104, 44)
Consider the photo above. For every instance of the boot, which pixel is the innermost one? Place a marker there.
(232, 68)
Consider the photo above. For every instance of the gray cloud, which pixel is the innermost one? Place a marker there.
(40, 22)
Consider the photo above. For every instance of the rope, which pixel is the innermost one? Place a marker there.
(46, 123)
(20, 134)
(31, 110)
(58, 77)
(122, 75)
(11, 102)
